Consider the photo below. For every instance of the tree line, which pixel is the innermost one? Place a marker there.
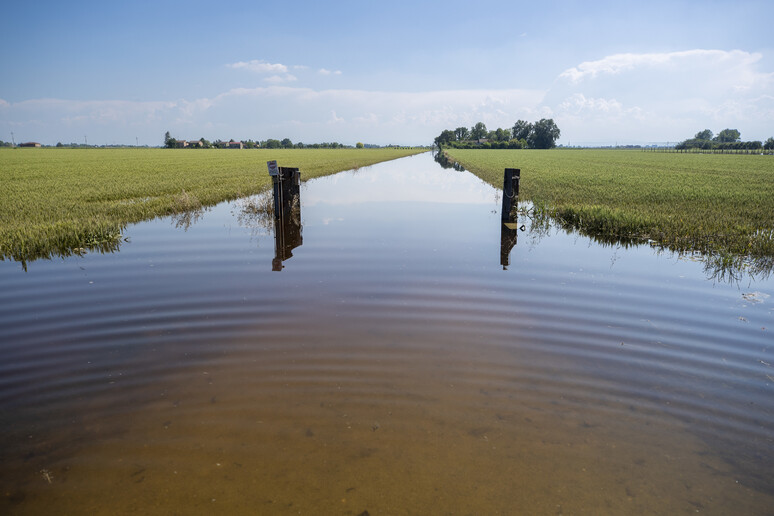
(523, 135)
(270, 143)
(725, 140)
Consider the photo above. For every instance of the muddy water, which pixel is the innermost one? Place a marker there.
(392, 365)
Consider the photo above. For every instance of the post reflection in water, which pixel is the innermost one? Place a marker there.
(287, 215)
(509, 227)
(287, 236)
(509, 234)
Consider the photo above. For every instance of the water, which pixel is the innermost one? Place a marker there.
(392, 365)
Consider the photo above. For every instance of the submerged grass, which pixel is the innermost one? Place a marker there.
(63, 201)
(714, 204)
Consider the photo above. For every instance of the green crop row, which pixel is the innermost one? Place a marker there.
(716, 204)
(60, 201)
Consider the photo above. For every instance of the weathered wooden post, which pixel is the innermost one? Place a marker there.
(510, 192)
(290, 179)
(276, 181)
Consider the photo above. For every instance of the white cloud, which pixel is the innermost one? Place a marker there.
(636, 97)
(619, 63)
(279, 79)
(663, 96)
(335, 119)
(578, 104)
(323, 71)
(259, 66)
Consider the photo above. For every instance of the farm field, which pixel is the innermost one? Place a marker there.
(716, 204)
(58, 201)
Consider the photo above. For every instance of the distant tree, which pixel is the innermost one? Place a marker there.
(461, 133)
(58, 144)
(502, 135)
(704, 135)
(286, 143)
(727, 135)
(478, 131)
(359, 145)
(167, 137)
(769, 145)
(171, 143)
(273, 144)
(544, 134)
(299, 145)
(521, 130)
(445, 138)
(754, 145)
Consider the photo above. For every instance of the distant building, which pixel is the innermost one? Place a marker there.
(181, 144)
(234, 145)
(29, 144)
(195, 143)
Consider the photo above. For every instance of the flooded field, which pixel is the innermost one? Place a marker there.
(390, 354)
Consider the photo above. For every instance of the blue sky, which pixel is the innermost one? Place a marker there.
(378, 72)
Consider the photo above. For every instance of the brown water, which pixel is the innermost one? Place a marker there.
(392, 366)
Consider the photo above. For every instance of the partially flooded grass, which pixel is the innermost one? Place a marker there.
(57, 202)
(257, 211)
(720, 205)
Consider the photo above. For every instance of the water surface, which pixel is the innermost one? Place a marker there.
(391, 365)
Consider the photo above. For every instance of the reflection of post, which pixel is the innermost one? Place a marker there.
(508, 236)
(287, 236)
(287, 214)
(510, 193)
(508, 229)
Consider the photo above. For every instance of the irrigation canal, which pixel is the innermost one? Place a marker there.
(388, 363)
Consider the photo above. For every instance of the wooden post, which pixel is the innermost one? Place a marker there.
(510, 193)
(290, 186)
(277, 186)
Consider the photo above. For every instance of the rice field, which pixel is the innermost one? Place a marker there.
(715, 204)
(63, 201)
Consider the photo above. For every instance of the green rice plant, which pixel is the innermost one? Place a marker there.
(64, 201)
(714, 204)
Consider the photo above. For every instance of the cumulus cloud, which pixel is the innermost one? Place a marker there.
(619, 63)
(259, 66)
(622, 97)
(578, 104)
(323, 71)
(663, 96)
(278, 79)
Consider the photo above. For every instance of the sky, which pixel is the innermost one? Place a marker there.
(395, 72)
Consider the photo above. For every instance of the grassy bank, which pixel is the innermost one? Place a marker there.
(687, 202)
(56, 201)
